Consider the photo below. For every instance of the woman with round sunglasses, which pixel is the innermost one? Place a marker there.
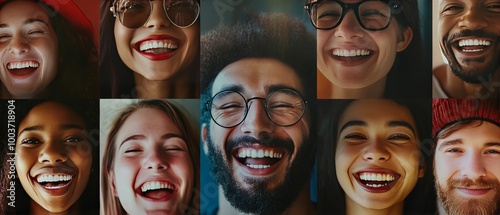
(369, 49)
(149, 48)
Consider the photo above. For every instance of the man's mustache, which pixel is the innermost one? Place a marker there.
(248, 141)
(478, 183)
(472, 33)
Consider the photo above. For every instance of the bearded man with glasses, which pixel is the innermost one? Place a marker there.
(257, 123)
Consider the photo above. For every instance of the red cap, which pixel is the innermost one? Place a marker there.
(446, 112)
(70, 11)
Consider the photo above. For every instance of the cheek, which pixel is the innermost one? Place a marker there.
(123, 37)
(24, 161)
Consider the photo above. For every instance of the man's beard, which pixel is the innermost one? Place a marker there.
(454, 205)
(473, 75)
(258, 199)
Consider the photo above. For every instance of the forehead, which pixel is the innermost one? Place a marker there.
(22, 10)
(148, 119)
(51, 113)
(375, 110)
(476, 133)
(256, 75)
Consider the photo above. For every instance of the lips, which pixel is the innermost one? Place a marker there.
(157, 47)
(377, 181)
(22, 69)
(473, 45)
(157, 190)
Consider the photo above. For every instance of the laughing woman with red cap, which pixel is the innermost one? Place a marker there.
(46, 50)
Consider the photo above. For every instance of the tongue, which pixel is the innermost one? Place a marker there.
(156, 194)
(260, 161)
(54, 184)
(21, 72)
(158, 50)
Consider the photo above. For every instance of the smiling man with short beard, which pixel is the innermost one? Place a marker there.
(469, 37)
(467, 154)
(257, 121)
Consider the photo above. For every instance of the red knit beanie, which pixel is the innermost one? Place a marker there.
(446, 112)
(70, 11)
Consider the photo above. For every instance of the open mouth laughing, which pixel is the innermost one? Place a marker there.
(473, 45)
(352, 55)
(157, 47)
(260, 160)
(377, 182)
(156, 190)
(22, 69)
(56, 183)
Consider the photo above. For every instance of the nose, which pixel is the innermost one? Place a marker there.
(53, 153)
(155, 160)
(19, 45)
(157, 18)
(376, 151)
(349, 27)
(472, 20)
(473, 166)
(257, 123)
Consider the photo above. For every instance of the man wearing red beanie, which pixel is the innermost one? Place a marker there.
(467, 156)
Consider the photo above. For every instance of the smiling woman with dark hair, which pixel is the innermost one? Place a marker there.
(379, 165)
(56, 157)
(46, 51)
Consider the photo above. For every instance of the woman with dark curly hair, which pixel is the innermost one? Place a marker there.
(46, 50)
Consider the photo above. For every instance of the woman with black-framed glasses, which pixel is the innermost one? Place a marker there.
(369, 49)
(150, 48)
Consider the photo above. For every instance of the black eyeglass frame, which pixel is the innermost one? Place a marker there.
(208, 105)
(114, 10)
(393, 5)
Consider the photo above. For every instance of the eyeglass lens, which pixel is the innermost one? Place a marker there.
(134, 13)
(284, 107)
(372, 15)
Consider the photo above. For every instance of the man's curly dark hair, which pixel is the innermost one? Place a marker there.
(275, 36)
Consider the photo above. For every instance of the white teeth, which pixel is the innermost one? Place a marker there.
(155, 44)
(376, 185)
(253, 153)
(156, 185)
(53, 178)
(350, 53)
(256, 166)
(473, 50)
(473, 42)
(365, 176)
(22, 65)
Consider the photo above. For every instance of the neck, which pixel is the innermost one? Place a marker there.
(301, 205)
(353, 208)
(440, 208)
(457, 88)
(184, 85)
(328, 90)
(37, 209)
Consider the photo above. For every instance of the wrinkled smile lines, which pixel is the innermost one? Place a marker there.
(156, 185)
(23, 64)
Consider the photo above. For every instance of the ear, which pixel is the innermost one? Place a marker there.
(204, 137)
(421, 169)
(111, 177)
(404, 39)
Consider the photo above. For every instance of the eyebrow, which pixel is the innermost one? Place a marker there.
(450, 143)
(28, 21)
(62, 127)
(391, 124)
(352, 123)
(269, 89)
(143, 137)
